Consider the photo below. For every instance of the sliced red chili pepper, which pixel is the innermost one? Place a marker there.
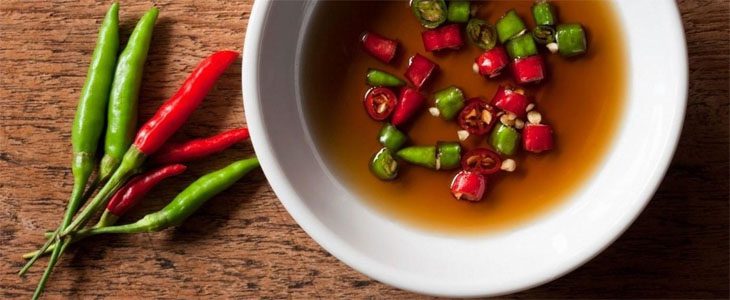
(469, 186)
(446, 37)
(482, 161)
(380, 103)
(528, 69)
(537, 138)
(477, 117)
(409, 103)
(511, 100)
(492, 62)
(419, 70)
(379, 46)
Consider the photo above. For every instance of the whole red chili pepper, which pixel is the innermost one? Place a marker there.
(198, 148)
(130, 194)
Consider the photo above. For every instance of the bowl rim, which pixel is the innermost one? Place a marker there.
(319, 232)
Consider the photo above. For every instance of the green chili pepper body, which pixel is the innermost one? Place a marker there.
(383, 165)
(122, 111)
(543, 13)
(391, 137)
(459, 11)
(521, 46)
(481, 33)
(188, 201)
(571, 39)
(449, 155)
(424, 156)
(431, 13)
(509, 26)
(377, 77)
(449, 102)
(504, 139)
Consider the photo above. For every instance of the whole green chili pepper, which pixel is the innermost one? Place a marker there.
(377, 77)
(543, 13)
(521, 46)
(544, 35)
(449, 102)
(188, 201)
(509, 26)
(459, 11)
(448, 155)
(424, 156)
(383, 165)
(431, 13)
(481, 33)
(89, 119)
(571, 39)
(391, 137)
(122, 123)
(504, 139)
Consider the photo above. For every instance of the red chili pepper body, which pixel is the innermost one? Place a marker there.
(175, 111)
(419, 70)
(445, 37)
(537, 138)
(379, 103)
(511, 100)
(477, 117)
(130, 194)
(379, 47)
(492, 62)
(409, 103)
(482, 161)
(468, 186)
(199, 148)
(528, 69)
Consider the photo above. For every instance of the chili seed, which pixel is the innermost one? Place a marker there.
(434, 111)
(534, 117)
(463, 135)
(508, 165)
(530, 107)
(519, 124)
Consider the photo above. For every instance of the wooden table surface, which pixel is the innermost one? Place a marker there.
(243, 244)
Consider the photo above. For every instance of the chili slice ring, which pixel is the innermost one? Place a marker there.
(482, 161)
(380, 103)
(477, 117)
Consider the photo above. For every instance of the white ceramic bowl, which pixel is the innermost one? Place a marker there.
(437, 264)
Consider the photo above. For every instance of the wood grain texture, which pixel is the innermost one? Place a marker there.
(243, 244)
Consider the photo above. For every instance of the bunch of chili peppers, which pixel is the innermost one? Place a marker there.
(109, 97)
(508, 121)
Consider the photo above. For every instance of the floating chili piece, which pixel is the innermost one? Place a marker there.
(528, 70)
(544, 35)
(468, 186)
(477, 117)
(459, 11)
(383, 165)
(376, 77)
(482, 161)
(379, 47)
(431, 13)
(420, 70)
(492, 62)
(446, 37)
(380, 103)
(449, 102)
(424, 156)
(521, 46)
(537, 138)
(509, 26)
(391, 138)
(511, 100)
(409, 102)
(571, 39)
(481, 33)
(543, 13)
(448, 155)
(504, 139)
(199, 148)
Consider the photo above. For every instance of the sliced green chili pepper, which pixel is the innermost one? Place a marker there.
(459, 11)
(431, 13)
(383, 165)
(543, 13)
(509, 26)
(521, 46)
(424, 156)
(391, 137)
(377, 77)
(481, 33)
(571, 39)
(504, 139)
(449, 102)
(449, 155)
(544, 35)
(122, 124)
